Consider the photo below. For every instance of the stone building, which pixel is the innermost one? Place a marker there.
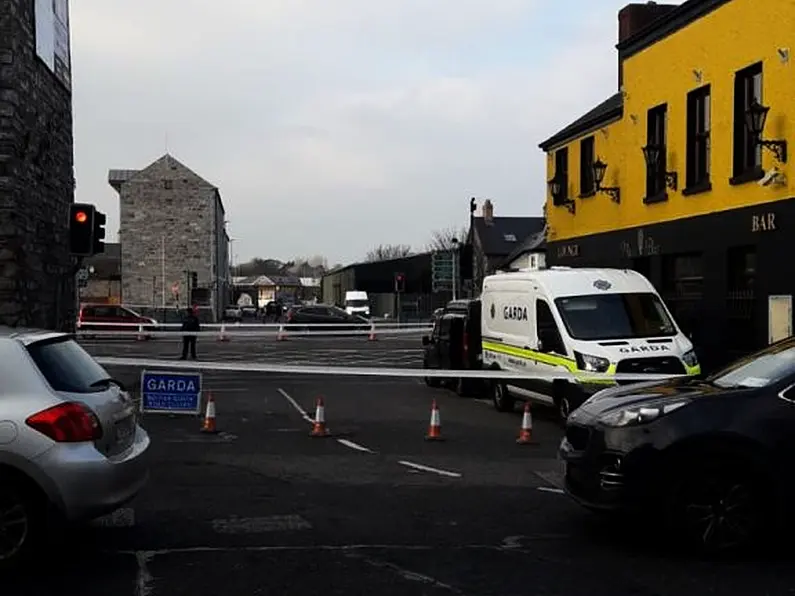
(172, 222)
(36, 165)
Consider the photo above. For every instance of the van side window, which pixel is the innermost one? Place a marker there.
(547, 330)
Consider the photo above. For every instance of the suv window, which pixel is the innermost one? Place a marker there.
(67, 366)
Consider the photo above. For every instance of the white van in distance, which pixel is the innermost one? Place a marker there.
(576, 320)
(357, 303)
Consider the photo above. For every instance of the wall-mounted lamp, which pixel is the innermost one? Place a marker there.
(652, 154)
(755, 118)
(556, 190)
(599, 171)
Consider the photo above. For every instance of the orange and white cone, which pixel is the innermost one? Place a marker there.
(208, 426)
(222, 336)
(280, 334)
(372, 336)
(526, 432)
(435, 427)
(140, 336)
(319, 425)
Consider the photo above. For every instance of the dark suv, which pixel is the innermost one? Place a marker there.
(454, 344)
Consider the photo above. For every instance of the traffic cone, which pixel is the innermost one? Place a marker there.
(208, 426)
(372, 336)
(223, 336)
(280, 334)
(526, 432)
(435, 428)
(140, 336)
(319, 426)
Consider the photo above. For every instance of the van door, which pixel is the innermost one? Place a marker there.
(550, 342)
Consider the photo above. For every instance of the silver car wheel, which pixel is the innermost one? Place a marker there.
(14, 525)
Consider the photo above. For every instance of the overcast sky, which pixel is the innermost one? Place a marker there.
(331, 126)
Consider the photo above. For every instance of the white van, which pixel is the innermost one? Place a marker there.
(594, 320)
(357, 303)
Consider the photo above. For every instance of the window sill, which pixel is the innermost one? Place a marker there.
(660, 197)
(587, 195)
(747, 176)
(698, 188)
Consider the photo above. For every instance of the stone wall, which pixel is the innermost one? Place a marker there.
(168, 221)
(36, 180)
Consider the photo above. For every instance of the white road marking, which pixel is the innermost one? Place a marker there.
(355, 446)
(296, 405)
(143, 578)
(447, 473)
(549, 489)
(310, 420)
(405, 573)
(261, 525)
(121, 518)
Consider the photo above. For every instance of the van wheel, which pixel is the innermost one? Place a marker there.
(500, 397)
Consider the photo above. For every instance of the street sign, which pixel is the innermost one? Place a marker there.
(442, 270)
(171, 392)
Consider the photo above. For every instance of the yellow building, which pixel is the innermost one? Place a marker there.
(683, 173)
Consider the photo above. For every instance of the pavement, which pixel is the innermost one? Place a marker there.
(262, 508)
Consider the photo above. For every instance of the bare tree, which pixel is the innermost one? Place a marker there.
(385, 252)
(443, 239)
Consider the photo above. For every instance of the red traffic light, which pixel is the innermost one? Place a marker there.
(81, 217)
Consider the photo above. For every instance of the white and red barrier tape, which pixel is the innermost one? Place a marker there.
(262, 367)
(232, 332)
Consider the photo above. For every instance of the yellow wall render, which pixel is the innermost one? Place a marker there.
(735, 36)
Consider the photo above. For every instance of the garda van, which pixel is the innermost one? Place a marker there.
(577, 320)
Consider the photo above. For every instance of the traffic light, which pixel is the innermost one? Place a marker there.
(99, 232)
(81, 229)
(400, 282)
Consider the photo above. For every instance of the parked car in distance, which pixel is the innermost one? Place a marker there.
(455, 344)
(112, 317)
(71, 448)
(233, 314)
(707, 458)
(326, 317)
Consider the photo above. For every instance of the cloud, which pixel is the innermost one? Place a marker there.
(331, 127)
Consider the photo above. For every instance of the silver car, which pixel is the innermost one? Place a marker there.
(70, 443)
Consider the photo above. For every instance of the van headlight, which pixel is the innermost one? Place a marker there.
(690, 358)
(591, 363)
(640, 414)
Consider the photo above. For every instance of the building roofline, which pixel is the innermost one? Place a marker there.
(609, 110)
(666, 25)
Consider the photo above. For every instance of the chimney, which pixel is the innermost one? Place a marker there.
(634, 18)
(487, 211)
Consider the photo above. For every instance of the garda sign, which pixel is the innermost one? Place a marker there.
(171, 392)
(515, 313)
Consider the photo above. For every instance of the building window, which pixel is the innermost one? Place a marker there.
(683, 289)
(698, 126)
(562, 175)
(740, 332)
(747, 152)
(587, 158)
(656, 124)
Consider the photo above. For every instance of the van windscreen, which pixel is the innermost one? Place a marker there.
(356, 303)
(615, 316)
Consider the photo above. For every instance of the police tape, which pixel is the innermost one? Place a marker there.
(366, 323)
(286, 331)
(353, 371)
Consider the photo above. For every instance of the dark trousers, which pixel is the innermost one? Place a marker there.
(189, 341)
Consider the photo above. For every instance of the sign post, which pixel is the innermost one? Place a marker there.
(171, 392)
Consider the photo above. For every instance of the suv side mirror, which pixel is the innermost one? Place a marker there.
(426, 340)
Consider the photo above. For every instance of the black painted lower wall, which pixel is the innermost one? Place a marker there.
(729, 264)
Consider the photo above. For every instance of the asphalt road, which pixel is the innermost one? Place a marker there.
(386, 351)
(262, 508)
